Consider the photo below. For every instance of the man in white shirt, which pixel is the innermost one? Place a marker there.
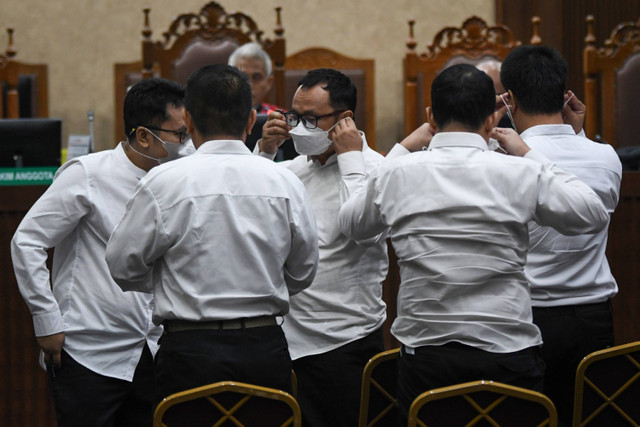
(221, 238)
(334, 326)
(571, 283)
(97, 341)
(457, 215)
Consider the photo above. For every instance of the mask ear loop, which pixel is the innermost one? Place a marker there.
(509, 113)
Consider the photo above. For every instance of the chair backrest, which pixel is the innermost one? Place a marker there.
(24, 87)
(608, 387)
(228, 403)
(612, 87)
(360, 70)
(472, 43)
(482, 403)
(192, 41)
(378, 402)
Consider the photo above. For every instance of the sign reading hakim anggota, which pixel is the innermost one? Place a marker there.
(27, 176)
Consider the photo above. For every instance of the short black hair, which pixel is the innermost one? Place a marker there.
(463, 94)
(537, 77)
(146, 103)
(343, 94)
(218, 97)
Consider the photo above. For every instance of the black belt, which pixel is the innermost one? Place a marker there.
(176, 325)
(562, 310)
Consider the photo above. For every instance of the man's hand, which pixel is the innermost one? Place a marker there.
(510, 141)
(274, 132)
(51, 345)
(573, 111)
(421, 137)
(345, 136)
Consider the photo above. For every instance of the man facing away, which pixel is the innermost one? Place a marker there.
(221, 238)
(457, 215)
(334, 326)
(571, 283)
(97, 341)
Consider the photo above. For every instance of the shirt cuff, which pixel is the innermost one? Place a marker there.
(48, 324)
(256, 150)
(351, 162)
(397, 151)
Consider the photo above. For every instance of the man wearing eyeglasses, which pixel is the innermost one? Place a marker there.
(97, 342)
(333, 327)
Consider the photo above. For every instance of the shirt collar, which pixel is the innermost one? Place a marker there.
(458, 139)
(223, 146)
(119, 153)
(334, 157)
(547, 130)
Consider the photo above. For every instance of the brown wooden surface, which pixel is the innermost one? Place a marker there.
(563, 25)
(623, 253)
(602, 60)
(23, 384)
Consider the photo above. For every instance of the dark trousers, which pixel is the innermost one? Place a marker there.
(188, 359)
(569, 333)
(453, 363)
(329, 384)
(83, 398)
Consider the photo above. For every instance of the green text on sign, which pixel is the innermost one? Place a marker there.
(27, 176)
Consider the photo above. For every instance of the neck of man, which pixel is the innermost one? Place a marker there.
(527, 121)
(138, 160)
(322, 158)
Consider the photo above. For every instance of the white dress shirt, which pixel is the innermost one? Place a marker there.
(568, 270)
(105, 328)
(458, 216)
(344, 303)
(225, 234)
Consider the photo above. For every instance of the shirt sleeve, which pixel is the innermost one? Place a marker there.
(353, 171)
(54, 216)
(566, 203)
(359, 216)
(302, 262)
(137, 242)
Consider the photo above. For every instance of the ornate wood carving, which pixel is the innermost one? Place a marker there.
(475, 38)
(212, 23)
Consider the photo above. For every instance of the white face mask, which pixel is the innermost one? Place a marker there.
(310, 142)
(174, 150)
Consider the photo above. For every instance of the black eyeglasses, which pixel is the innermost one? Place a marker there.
(183, 135)
(310, 122)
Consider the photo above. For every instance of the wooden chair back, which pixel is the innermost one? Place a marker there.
(360, 70)
(193, 40)
(24, 87)
(471, 43)
(612, 86)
